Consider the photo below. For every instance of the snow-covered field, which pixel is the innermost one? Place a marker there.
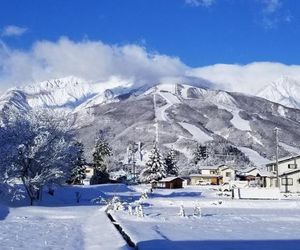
(59, 222)
(233, 224)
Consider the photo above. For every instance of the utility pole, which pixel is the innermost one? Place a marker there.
(277, 151)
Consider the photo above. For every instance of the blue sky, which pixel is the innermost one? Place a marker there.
(198, 32)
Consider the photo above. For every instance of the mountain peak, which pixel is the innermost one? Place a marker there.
(284, 90)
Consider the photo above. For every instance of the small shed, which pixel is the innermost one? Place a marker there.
(168, 183)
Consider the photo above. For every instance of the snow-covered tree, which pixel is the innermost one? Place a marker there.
(170, 163)
(78, 171)
(200, 153)
(102, 150)
(222, 152)
(154, 169)
(37, 148)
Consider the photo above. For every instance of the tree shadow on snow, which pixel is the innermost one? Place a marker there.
(220, 245)
(67, 196)
(64, 196)
(175, 194)
(4, 211)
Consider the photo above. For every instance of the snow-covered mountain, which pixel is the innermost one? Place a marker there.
(187, 114)
(285, 91)
(184, 114)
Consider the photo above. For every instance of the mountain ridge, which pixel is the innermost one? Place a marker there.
(185, 115)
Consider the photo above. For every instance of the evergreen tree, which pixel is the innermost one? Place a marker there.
(154, 169)
(171, 163)
(78, 172)
(200, 153)
(101, 152)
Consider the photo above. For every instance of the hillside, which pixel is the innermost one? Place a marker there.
(184, 114)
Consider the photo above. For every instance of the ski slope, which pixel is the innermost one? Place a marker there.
(255, 157)
(161, 111)
(197, 134)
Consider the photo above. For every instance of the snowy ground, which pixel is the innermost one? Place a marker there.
(60, 223)
(233, 224)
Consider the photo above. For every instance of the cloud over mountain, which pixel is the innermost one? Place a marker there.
(96, 61)
(92, 60)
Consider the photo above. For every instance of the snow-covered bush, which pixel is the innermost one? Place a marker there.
(140, 211)
(37, 148)
(197, 209)
(115, 204)
(181, 211)
(144, 195)
(130, 210)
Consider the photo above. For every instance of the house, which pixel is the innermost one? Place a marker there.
(266, 179)
(285, 164)
(288, 173)
(248, 174)
(209, 175)
(290, 181)
(213, 175)
(168, 183)
(89, 172)
(228, 173)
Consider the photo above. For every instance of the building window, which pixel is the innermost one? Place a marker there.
(228, 174)
(292, 166)
(212, 172)
(287, 181)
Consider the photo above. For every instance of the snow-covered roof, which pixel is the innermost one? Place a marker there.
(290, 172)
(224, 167)
(247, 170)
(206, 175)
(265, 173)
(287, 158)
(171, 178)
(209, 167)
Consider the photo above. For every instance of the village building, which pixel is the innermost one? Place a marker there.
(212, 175)
(168, 183)
(248, 174)
(288, 172)
(89, 171)
(266, 179)
(228, 173)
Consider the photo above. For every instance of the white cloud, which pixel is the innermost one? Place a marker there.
(273, 13)
(197, 3)
(249, 78)
(91, 60)
(13, 30)
(271, 6)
